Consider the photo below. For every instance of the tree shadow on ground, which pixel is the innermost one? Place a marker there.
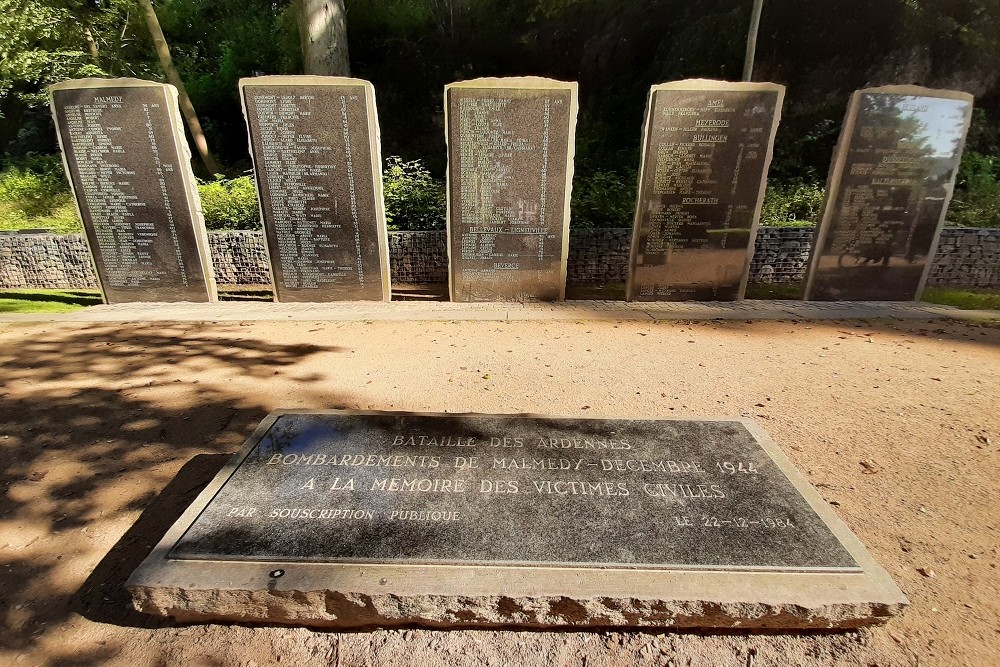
(72, 297)
(96, 421)
(102, 598)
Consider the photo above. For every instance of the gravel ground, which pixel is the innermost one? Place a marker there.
(109, 430)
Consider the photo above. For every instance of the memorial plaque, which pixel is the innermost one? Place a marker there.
(129, 167)
(510, 170)
(546, 502)
(892, 177)
(706, 149)
(315, 144)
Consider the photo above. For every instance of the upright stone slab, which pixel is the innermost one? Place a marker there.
(892, 176)
(510, 171)
(129, 167)
(315, 144)
(705, 153)
(343, 519)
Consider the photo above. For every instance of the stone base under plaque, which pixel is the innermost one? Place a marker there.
(352, 596)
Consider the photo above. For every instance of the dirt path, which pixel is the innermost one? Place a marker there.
(108, 431)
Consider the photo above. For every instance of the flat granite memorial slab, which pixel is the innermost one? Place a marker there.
(706, 148)
(510, 172)
(315, 144)
(891, 179)
(129, 168)
(350, 519)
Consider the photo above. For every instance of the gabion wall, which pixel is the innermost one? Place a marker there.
(45, 261)
(239, 258)
(418, 257)
(598, 256)
(965, 258)
(781, 255)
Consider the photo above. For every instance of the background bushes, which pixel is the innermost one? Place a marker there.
(229, 203)
(977, 192)
(414, 200)
(792, 204)
(34, 194)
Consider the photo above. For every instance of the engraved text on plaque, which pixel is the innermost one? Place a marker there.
(706, 150)
(316, 151)
(129, 167)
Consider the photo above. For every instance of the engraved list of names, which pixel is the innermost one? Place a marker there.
(510, 164)
(128, 165)
(892, 176)
(706, 150)
(315, 146)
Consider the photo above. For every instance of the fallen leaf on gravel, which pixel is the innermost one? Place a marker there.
(869, 468)
(927, 572)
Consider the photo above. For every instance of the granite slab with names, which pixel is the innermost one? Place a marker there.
(315, 144)
(345, 519)
(706, 149)
(510, 166)
(892, 177)
(129, 168)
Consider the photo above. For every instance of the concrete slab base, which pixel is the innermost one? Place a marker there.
(359, 593)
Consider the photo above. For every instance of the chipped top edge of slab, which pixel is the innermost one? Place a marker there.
(97, 82)
(533, 82)
(918, 91)
(302, 80)
(717, 84)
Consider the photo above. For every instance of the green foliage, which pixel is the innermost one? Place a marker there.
(47, 41)
(802, 153)
(229, 203)
(966, 299)
(215, 44)
(792, 205)
(603, 198)
(46, 301)
(34, 194)
(414, 200)
(977, 192)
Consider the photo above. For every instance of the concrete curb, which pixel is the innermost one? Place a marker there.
(445, 311)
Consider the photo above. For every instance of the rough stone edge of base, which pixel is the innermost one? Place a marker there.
(332, 609)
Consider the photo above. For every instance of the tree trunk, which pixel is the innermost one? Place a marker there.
(187, 109)
(752, 40)
(323, 34)
(88, 36)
